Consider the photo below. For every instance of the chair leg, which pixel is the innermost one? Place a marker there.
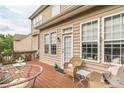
(73, 79)
(80, 83)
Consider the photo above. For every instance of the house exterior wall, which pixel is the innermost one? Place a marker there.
(35, 42)
(47, 14)
(17, 46)
(65, 7)
(97, 13)
(23, 45)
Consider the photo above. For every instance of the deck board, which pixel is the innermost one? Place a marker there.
(50, 78)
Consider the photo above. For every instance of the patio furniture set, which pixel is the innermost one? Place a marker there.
(19, 75)
(113, 77)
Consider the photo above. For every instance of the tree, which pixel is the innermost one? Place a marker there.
(6, 43)
(1, 42)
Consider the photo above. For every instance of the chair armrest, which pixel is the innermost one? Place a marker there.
(65, 65)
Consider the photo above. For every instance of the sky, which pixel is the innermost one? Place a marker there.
(14, 18)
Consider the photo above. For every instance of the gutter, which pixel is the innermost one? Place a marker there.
(65, 15)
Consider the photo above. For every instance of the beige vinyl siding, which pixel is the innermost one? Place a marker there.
(48, 58)
(23, 45)
(33, 30)
(76, 38)
(96, 13)
(35, 42)
(65, 7)
(46, 14)
(17, 46)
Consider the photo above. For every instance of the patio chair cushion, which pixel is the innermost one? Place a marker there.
(120, 72)
(115, 78)
(113, 70)
(70, 65)
(69, 71)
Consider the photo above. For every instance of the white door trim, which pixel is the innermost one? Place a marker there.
(66, 34)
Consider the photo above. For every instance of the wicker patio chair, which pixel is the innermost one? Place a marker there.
(95, 81)
(72, 67)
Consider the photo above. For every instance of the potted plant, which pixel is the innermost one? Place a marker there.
(56, 66)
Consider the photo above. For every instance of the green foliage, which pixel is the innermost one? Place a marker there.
(6, 43)
(56, 66)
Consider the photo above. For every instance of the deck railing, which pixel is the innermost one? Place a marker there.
(6, 58)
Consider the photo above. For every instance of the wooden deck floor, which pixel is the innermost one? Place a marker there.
(50, 78)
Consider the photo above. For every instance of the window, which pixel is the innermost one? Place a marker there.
(46, 43)
(50, 41)
(114, 38)
(34, 22)
(55, 10)
(37, 21)
(89, 42)
(53, 43)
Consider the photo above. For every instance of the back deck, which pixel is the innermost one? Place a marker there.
(50, 78)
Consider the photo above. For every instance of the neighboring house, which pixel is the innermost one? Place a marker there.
(24, 45)
(95, 33)
(18, 46)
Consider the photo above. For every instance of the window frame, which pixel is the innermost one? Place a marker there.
(44, 43)
(38, 20)
(50, 42)
(103, 36)
(49, 33)
(98, 41)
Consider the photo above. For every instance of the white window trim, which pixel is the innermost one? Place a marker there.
(49, 43)
(56, 43)
(44, 43)
(87, 60)
(38, 22)
(103, 23)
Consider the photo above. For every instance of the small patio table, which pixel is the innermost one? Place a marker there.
(82, 75)
(21, 76)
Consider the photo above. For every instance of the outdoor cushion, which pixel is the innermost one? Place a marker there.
(113, 70)
(69, 71)
(115, 76)
(120, 72)
(70, 65)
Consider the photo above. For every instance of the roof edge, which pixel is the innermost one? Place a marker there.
(65, 15)
(40, 9)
